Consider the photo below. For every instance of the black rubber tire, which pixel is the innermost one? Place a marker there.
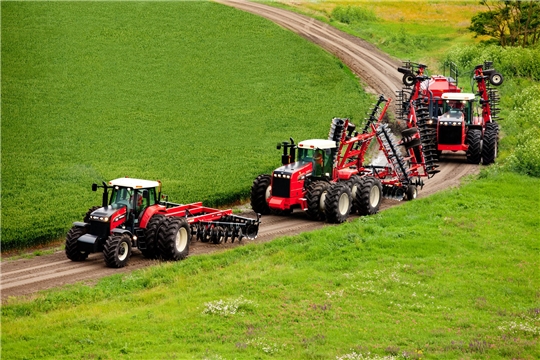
(409, 132)
(338, 202)
(408, 79)
(413, 143)
(474, 140)
(217, 235)
(260, 191)
(496, 79)
(370, 195)
(173, 239)
(72, 244)
(315, 196)
(89, 212)
(150, 234)
(117, 250)
(490, 143)
(411, 193)
(354, 185)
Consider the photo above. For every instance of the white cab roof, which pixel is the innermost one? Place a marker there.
(317, 144)
(458, 96)
(134, 183)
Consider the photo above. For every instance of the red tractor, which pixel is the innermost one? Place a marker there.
(132, 215)
(328, 178)
(447, 119)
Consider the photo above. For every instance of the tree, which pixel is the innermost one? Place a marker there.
(509, 22)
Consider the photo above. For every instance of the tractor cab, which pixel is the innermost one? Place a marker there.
(457, 117)
(320, 153)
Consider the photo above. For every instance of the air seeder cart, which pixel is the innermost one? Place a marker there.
(132, 215)
(442, 117)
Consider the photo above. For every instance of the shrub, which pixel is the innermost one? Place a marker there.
(352, 14)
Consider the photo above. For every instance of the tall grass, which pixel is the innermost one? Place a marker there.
(451, 276)
(194, 94)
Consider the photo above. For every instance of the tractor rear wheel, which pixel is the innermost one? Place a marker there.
(260, 192)
(173, 239)
(117, 250)
(337, 205)
(150, 234)
(489, 145)
(354, 185)
(73, 252)
(474, 140)
(315, 196)
(369, 196)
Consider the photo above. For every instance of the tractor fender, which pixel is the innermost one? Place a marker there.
(119, 231)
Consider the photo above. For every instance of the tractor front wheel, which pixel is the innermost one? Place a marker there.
(260, 192)
(150, 234)
(173, 239)
(489, 145)
(337, 205)
(315, 197)
(117, 250)
(369, 196)
(474, 140)
(73, 252)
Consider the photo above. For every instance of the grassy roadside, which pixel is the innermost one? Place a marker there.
(450, 276)
(420, 31)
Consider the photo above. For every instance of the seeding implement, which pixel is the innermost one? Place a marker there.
(134, 216)
(329, 180)
(440, 117)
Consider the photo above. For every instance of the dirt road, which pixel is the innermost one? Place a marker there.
(377, 71)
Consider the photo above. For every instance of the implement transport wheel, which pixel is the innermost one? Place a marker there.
(72, 244)
(173, 239)
(260, 192)
(117, 250)
(369, 196)
(150, 234)
(496, 79)
(474, 140)
(315, 196)
(337, 205)
(411, 193)
(490, 143)
(354, 184)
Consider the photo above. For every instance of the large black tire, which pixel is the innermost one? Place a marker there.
(409, 132)
(117, 250)
(73, 252)
(474, 140)
(173, 239)
(369, 196)
(354, 185)
(89, 212)
(338, 202)
(411, 193)
(315, 196)
(490, 143)
(260, 192)
(150, 234)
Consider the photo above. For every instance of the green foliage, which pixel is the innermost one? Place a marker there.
(508, 61)
(510, 23)
(352, 14)
(429, 279)
(92, 91)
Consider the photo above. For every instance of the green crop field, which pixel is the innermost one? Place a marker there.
(452, 276)
(194, 94)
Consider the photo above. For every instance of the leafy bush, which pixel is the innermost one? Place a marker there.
(352, 14)
(509, 61)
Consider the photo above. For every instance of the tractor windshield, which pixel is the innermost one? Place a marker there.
(320, 158)
(122, 196)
